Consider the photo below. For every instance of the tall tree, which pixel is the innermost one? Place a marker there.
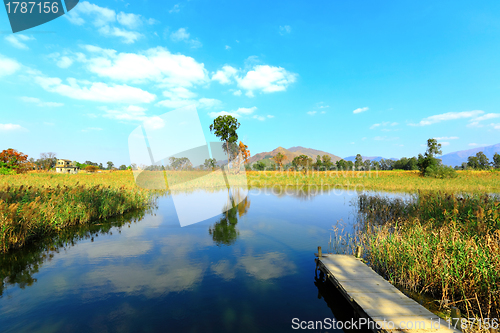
(110, 165)
(224, 127)
(358, 163)
(484, 162)
(327, 162)
(279, 158)
(428, 160)
(496, 161)
(48, 160)
(302, 162)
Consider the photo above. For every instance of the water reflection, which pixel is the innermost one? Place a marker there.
(224, 231)
(18, 266)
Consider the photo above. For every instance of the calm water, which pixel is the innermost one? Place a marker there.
(250, 270)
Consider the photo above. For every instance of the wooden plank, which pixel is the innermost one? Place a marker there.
(375, 298)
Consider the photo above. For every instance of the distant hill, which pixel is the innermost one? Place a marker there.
(370, 158)
(458, 157)
(291, 153)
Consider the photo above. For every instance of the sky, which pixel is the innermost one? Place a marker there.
(376, 78)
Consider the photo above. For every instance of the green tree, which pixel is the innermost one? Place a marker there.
(318, 164)
(496, 161)
(375, 165)
(123, 167)
(428, 160)
(110, 165)
(358, 163)
(259, 166)
(302, 162)
(366, 165)
(484, 162)
(327, 162)
(224, 127)
(210, 163)
(341, 165)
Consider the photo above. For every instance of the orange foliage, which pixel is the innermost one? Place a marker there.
(244, 151)
(14, 160)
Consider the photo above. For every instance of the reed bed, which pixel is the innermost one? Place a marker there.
(442, 244)
(51, 203)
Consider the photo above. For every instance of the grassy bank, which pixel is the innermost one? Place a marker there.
(35, 205)
(445, 245)
(397, 181)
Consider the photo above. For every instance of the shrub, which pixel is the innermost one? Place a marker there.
(91, 168)
(440, 171)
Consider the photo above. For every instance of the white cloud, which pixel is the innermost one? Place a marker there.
(266, 79)
(183, 35)
(131, 112)
(286, 29)
(91, 129)
(237, 93)
(447, 138)
(241, 112)
(323, 112)
(104, 18)
(8, 66)
(495, 126)
(202, 103)
(11, 128)
(17, 41)
(157, 64)
(444, 143)
(95, 91)
(179, 35)
(359, 110)
(228, 47)
(131, 21)
(179, 93)
(40, 103)
(128, 37)
(249, 94)
(224, 76)
(311, 113)
(64, 62)
(261, 118)
(175, 9)
(448, 116)
(101, 16)
(487, 117)
(385, 138)
(270, 116)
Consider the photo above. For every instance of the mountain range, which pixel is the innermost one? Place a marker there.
(458, 157)
(370, 158)
(451, 159)
(291, 153)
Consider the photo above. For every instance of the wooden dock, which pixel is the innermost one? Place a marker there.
(375, 299)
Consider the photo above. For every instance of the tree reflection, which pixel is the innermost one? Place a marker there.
(224, 231)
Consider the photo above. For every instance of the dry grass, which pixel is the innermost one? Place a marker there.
(442, 244)
(397, 180)
(34, 205)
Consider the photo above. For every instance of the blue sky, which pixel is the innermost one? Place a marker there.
(346, 77)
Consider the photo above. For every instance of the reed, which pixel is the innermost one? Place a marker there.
(442, 244)
(28, 212)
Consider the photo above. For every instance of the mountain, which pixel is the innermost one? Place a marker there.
(458, 157)
(370, 158)
(291, 153)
